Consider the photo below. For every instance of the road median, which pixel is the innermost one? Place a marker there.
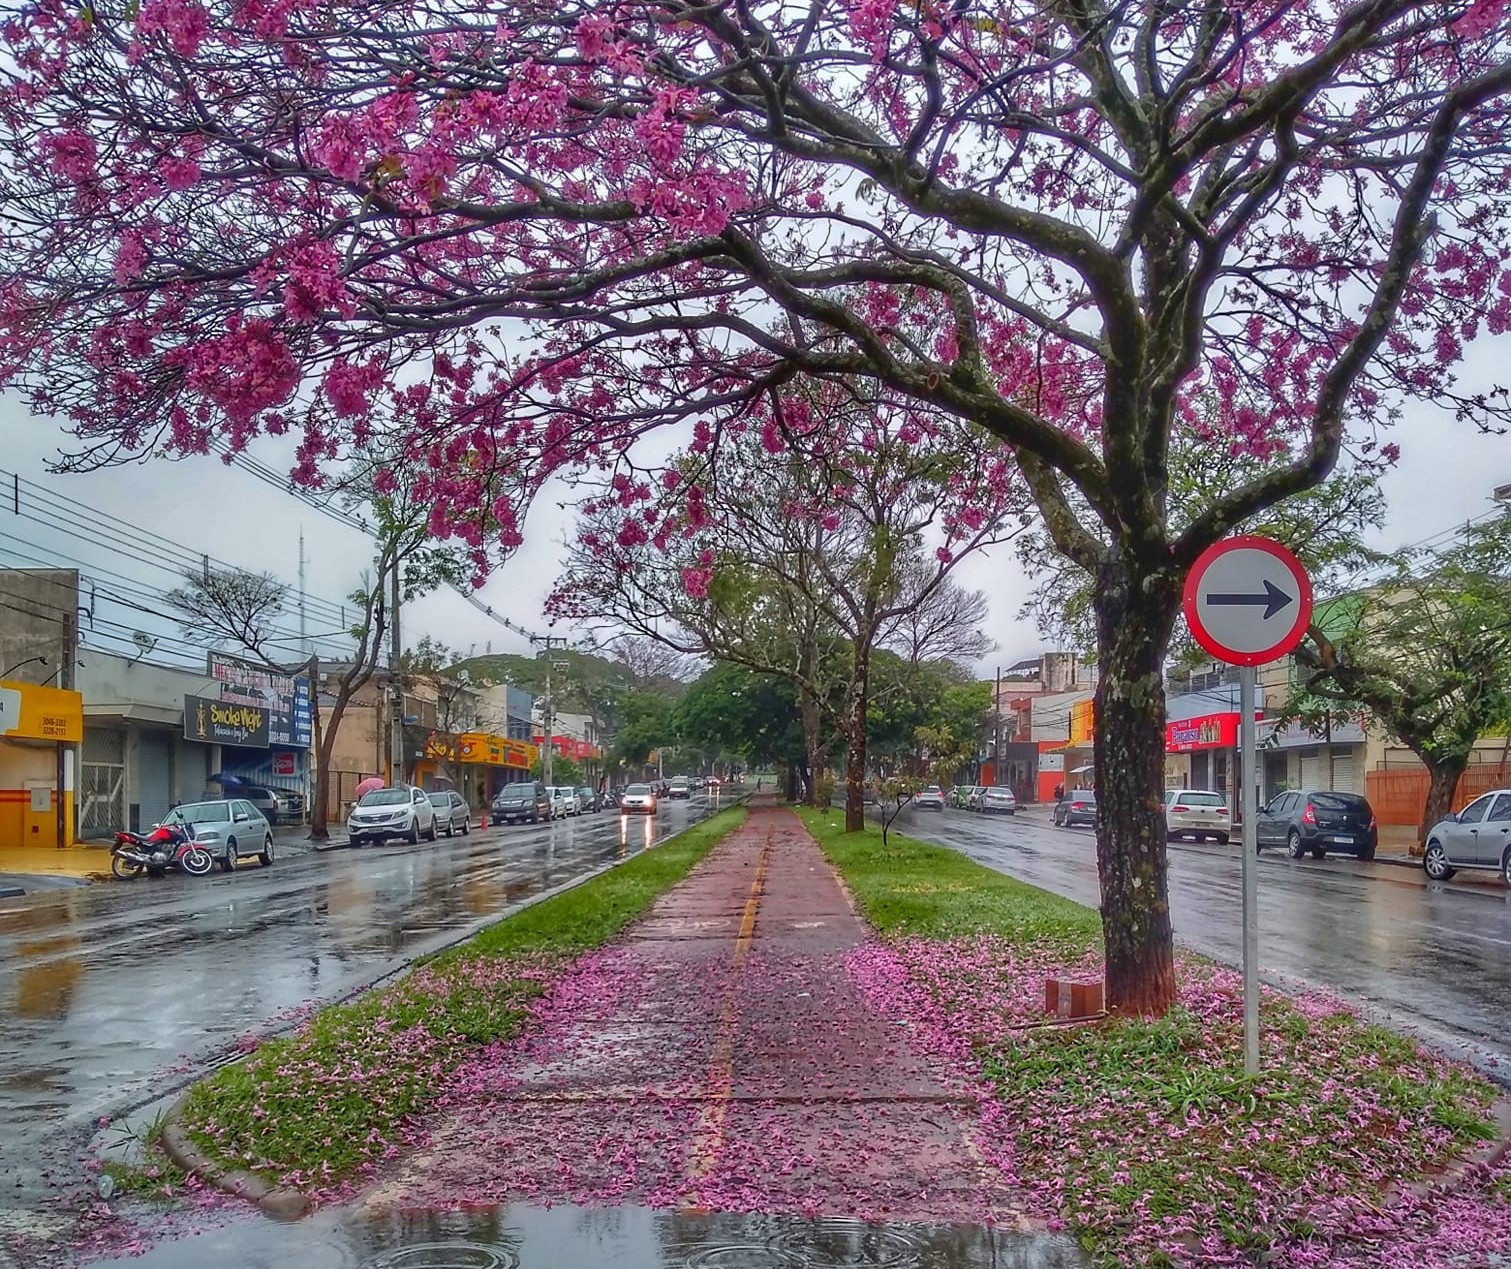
(1145, 1137)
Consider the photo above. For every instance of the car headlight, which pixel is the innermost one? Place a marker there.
(209, 835)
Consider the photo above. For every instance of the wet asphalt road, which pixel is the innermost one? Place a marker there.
(112, 995)
(1427, 957)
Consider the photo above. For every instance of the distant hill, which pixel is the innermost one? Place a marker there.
(590, 684)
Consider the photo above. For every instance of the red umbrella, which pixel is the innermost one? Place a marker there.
(368, 785)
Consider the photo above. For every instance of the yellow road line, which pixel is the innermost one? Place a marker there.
(708, 1135)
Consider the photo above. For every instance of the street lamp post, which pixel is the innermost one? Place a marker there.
(19, 664)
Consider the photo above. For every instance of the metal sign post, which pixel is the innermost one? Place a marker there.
(1248, 601)
(1247, 676)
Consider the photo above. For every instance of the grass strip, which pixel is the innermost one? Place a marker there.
(316, 1108)
(908, 887)
(1145, 1135)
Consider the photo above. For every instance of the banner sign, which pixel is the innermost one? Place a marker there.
(212, 721)
(41, 713)
(284, 697)
(1209, 731)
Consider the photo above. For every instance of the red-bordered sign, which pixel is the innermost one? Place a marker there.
(1248, 600)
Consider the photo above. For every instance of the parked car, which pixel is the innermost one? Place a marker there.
(271, 804)
(565, 800)
(679, 788)
(451, 811)
(1319, 821)
(589, 799)
(1197, 813)
(229, 828)
(929, 798)
(1477, 837)
(527, 800)
(1077, 807)
(998, 801)
(394, 812)
(973, 798)
(639, 797)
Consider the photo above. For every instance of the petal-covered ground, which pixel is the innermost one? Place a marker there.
(721, 1055)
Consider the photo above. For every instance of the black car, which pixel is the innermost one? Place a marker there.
(1319, 821)
(527, 800)
(589, 799)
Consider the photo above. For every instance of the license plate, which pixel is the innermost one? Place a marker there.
(1343, 839)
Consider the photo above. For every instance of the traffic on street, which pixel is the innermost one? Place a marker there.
(117, 993)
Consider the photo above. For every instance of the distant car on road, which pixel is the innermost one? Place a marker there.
(396, 812)
(929, 798)
(526, 800)
(588, 799)
(564, 798)
(1198, 813)
(679, 788)
(451, 811)
(1477, 837)
(1320, 821)
(998, 801)
(1079, 807)
(639, 797)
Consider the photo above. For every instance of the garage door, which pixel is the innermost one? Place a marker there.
(1345, 774)
(1313, 772)
(154, 777)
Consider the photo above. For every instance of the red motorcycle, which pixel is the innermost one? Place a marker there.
(166, 846)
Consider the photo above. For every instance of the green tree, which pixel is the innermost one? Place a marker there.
(731, 709)
(1427, 651)
(645, 726)
(564, 771)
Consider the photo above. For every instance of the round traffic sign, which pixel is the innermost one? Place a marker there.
(1248, 600)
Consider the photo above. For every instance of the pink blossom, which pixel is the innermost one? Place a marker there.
(184, 22)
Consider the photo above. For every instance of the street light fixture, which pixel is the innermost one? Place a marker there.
(19, 664)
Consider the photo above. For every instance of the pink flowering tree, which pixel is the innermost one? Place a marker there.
(521, 235)
(808, 532)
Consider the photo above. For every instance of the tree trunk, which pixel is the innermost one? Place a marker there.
(813, 744)
(855, 741)
(1443, 782)
(1134, 616)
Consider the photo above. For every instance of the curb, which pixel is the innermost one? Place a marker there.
(275, 1201)
(280, 1202)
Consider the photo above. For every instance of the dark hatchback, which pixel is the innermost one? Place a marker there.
(1079, 807)
(1319, 821)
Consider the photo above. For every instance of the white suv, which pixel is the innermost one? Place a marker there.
(564, 800)
(402, 812)
(1197, 813)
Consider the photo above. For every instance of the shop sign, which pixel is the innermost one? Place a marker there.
(1083, 722)
(1208, 731)
(285, 698)
(439, 746)
(479, 747)
(285, 764)
(1051, 762)
(520, 754)
(212, 721)
(31, 712)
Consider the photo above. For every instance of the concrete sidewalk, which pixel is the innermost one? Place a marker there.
(718, 1056)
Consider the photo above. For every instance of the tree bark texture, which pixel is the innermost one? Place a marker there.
(855, 742)
(1134, 616)
(1443, 782)
(813, 746)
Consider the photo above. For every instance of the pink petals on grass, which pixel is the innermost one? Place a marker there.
(1149, 1142)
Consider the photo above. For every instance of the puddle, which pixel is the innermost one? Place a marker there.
(520, 1237)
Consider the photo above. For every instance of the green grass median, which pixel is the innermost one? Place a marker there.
(323, 1105)
(1145, 1136)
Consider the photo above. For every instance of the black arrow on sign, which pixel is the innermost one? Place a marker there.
(1272, 601)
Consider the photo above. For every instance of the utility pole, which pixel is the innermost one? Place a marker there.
(548, 711)
(65, 748)
(304, 645)
(396, 686)
(997, 741)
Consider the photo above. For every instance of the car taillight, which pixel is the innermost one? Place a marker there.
(1078, 806)
(1371, 822)
(1180, 808)
(1309, 816)
(1222, 810)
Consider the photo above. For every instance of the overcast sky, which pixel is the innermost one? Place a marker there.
(1446, 475)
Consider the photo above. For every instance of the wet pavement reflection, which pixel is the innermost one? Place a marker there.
(1427, 956)
(112, 994)
(625, 1237)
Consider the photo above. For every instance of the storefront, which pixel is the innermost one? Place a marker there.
(1202, 749)
(38, 727)
(1328, 756)
(494, 761)
(276, 756)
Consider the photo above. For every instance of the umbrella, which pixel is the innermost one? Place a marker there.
(368, 785)
(227, 781)
(1081, 770)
